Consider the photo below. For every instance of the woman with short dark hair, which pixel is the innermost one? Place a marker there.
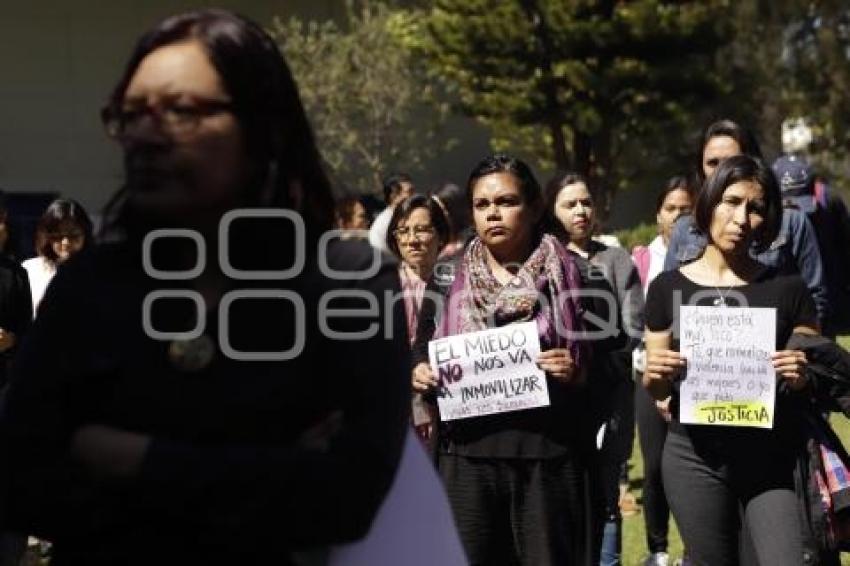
(712, 472)
(417, 232)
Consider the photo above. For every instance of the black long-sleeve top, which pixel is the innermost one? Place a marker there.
(15, 306)
(228, 466)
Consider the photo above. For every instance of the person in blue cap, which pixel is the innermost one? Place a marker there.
(795, 249)
(802, 190)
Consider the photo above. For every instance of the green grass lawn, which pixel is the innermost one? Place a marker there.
(634, 537)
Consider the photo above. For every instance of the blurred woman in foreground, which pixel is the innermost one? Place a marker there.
(175, 402)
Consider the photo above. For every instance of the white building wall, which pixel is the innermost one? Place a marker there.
(58, 62)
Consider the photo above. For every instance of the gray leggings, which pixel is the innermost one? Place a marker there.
(711, 500)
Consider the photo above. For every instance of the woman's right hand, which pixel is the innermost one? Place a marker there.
(7, 339)
(423, 378)
(662, 367)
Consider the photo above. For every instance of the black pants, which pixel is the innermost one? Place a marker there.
(713, 496)
(522, 511)
(652, 431)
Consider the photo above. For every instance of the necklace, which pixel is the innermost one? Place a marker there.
(720, 301)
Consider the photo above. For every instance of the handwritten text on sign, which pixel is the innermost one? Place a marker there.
(486, 372)
(730, 378)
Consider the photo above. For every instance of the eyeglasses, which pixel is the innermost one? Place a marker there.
(178, 117)
(421, 233)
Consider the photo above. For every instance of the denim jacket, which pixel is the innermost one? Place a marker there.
(795, 250)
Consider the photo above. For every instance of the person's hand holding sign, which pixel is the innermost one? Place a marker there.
(663, 365)
(423, 378)
(557, 363)
(790, 365)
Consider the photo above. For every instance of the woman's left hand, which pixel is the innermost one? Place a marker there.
(558, 363)
(790, 365)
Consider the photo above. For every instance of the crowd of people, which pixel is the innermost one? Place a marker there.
(198, 382)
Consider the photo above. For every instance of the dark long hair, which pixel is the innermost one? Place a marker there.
(558, 181)
(265, 102)
(674, 183)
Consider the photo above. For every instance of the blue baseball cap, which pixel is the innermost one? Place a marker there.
(796, 181)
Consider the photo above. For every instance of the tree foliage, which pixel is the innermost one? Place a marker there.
(371, 107)
(793, 60)
(583, 84)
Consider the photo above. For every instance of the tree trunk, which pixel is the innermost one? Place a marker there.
(603, 169)
(582, 153)
(554, 119)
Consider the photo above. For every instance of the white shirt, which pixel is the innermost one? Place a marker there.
(380, 227)
(657, 252)
(40, 272)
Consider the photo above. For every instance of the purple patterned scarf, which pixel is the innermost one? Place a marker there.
(541, 290)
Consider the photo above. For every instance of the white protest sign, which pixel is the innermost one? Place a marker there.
(730, 378)
(490, 371)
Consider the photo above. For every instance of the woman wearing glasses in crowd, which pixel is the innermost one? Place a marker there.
(131, 439)
(607, 269)
(63, 230)
(417, 232)
(517, 481)
(721, 480)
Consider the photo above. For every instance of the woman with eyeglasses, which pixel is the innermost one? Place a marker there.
(63, 230)
(417, 232)
(194, 390)
(517, 481)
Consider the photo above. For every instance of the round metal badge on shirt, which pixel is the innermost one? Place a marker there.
(192, 355)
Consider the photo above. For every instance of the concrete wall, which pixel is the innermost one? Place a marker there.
(58, 61)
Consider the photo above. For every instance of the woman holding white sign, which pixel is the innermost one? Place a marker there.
(610, 271)
(517, 480)
(713, 470)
